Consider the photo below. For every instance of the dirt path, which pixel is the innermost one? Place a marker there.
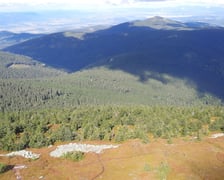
(102, 168)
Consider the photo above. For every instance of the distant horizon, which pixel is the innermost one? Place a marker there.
(47, 16)
(98, 5)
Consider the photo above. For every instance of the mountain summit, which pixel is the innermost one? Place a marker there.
(161, 23)
(158, 22)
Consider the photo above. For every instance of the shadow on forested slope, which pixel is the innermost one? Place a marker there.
(196, 56)
(193, 54)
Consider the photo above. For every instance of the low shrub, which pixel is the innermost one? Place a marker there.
(3, 168)
(74, 156)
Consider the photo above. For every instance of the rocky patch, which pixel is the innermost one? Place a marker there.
(23, 153)
(62, 149)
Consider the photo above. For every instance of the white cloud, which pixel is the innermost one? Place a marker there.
(97, 4)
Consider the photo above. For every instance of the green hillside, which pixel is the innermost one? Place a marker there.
(18, 66)
(100, 86)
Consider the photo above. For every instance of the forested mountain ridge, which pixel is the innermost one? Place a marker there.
(192, 51)
(13, 66)
(73, 50)
(9, 38)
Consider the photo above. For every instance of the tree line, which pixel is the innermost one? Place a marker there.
(38, 128)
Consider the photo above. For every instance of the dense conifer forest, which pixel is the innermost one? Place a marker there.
(23, 129)
(101, 104)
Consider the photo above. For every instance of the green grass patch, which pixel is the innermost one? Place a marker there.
(3, 168)
(147, 167)
(163, 171)
(74, 156)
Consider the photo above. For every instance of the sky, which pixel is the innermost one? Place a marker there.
(27, 5)
(87, 13)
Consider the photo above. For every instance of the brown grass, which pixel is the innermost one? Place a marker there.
(186, 159)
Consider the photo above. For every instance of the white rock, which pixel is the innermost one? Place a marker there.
(217, 135)
(20, 167)
(62, 149)
(25, 154)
